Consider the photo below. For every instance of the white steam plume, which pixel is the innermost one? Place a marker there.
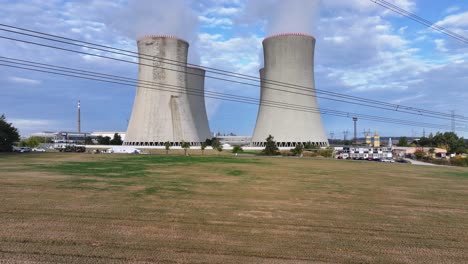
(159, 17)
(283, 16)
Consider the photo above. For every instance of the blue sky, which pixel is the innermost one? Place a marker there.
(362, 50)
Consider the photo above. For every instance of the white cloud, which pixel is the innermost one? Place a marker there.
(215, 22)
(223, 11)
(440, 45)
(29, 126)
(456, 20)
(238, 54)
(452, 9)
(336, 39)
(26, 81)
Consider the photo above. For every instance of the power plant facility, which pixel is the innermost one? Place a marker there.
(287, 78)
(169, 104)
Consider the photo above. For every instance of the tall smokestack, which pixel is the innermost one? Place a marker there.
(79, 117)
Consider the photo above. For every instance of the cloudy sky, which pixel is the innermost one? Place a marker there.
(362, 50)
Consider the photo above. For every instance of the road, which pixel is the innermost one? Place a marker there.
(417, 162)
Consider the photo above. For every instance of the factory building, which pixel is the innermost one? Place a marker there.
(164, 109)
(288, 81)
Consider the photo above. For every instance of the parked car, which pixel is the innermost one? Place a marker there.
(38, 150)
(24, 149)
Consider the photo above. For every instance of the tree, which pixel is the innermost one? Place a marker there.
(103, 140)
(215, 144)
(203, 147)
(167, 146)
(117, 140)
(424, 142)
(298, 150)
(270, 147)
(185, 146)
(31, 142)
(432, 151)
(236, 149)
(89, 141)
(208, 141)
(419, 154)
(8, 135)
(402, 142)
(450, 141)
(219, 148)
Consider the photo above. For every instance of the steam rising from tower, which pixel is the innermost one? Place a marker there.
(287, 75)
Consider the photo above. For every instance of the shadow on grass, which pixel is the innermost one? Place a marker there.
(117, 172)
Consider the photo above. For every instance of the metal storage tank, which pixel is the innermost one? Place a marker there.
(289, 58)
(196, 85)
(160, 116)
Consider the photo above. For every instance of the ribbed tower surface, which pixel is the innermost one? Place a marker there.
(161, 110)
(288, 80)
(196, 99)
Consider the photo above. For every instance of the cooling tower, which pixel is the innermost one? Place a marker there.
(289, 59)
(159, 116)
(196, 84)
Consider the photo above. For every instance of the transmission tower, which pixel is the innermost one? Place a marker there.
(355, 129)
(453, 121)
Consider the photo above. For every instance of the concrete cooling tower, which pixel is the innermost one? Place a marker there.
(289, 59)
(159, 116)
(196, 100)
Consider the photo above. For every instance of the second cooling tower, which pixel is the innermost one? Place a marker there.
(169, 103)
(288, 110)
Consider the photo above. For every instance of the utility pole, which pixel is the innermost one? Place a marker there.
(79, 117)
(355, 130)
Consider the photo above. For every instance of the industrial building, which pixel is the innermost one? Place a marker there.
(287, 79)
(382, 153)
(162, 109)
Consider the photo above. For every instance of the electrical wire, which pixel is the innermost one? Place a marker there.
(420, 20)
(364, 101)
(95, 76)
(184, 71)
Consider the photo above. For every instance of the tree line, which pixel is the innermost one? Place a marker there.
(448, 140)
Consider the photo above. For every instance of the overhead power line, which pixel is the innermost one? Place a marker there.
(420, 20)
(96, 76)
(334, 96)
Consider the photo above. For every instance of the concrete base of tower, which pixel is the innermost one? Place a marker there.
(158, 144)
(292, 144)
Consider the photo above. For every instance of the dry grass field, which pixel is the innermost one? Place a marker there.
(84, 208)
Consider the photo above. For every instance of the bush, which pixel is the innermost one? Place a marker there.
(440, 161)
(298, 150)
(31, 142)
(237, 149)
(308, 145)
(419, 154)
(459, 161)
(327, 153)
(270, 147)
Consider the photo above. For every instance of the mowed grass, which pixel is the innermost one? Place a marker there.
(83, 208)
